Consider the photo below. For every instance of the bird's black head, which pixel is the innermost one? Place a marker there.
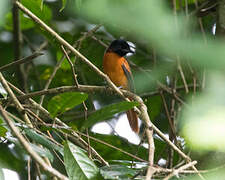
(120, 47)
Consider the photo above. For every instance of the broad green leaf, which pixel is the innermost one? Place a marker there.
(154, 105)
(38, 138)
(107, 112)
(77, 163)
(43, 152)
(111, 154)
(64, 102)
(12, 154)
(117, 172)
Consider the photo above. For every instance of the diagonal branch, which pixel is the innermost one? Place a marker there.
(19, 107)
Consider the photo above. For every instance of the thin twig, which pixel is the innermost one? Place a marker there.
(57, 120)
(110, 145)
(168, 116)
(77, 84)
(83, 88)
(177, 171)
(179, 67)
(21, 61)
(71, 65)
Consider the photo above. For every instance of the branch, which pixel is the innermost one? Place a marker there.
(19, 107)
(71, 66)
(111, 146)
(21, 61)
(58, 121)
(93, 89)
(17, 42)
(175, 172)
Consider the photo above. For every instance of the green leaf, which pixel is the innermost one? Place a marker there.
(117, 172)
(41, 5)
(43, 152)
(25, 22)
(77, 163)
(38, 138)
(65, 64)
(64, 102)
(3, 130)
(107, 112)
(12, 157)
(109, 153)
(43, 12)
(63, 5)
(154, 105)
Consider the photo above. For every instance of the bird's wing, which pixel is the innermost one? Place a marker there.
(127, 72)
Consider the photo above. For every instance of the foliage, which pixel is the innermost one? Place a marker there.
(178, 70)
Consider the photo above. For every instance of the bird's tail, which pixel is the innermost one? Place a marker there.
(133, 120)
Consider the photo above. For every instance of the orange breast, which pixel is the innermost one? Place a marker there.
(112, 66)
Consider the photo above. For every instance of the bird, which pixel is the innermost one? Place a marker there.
(118, 70)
